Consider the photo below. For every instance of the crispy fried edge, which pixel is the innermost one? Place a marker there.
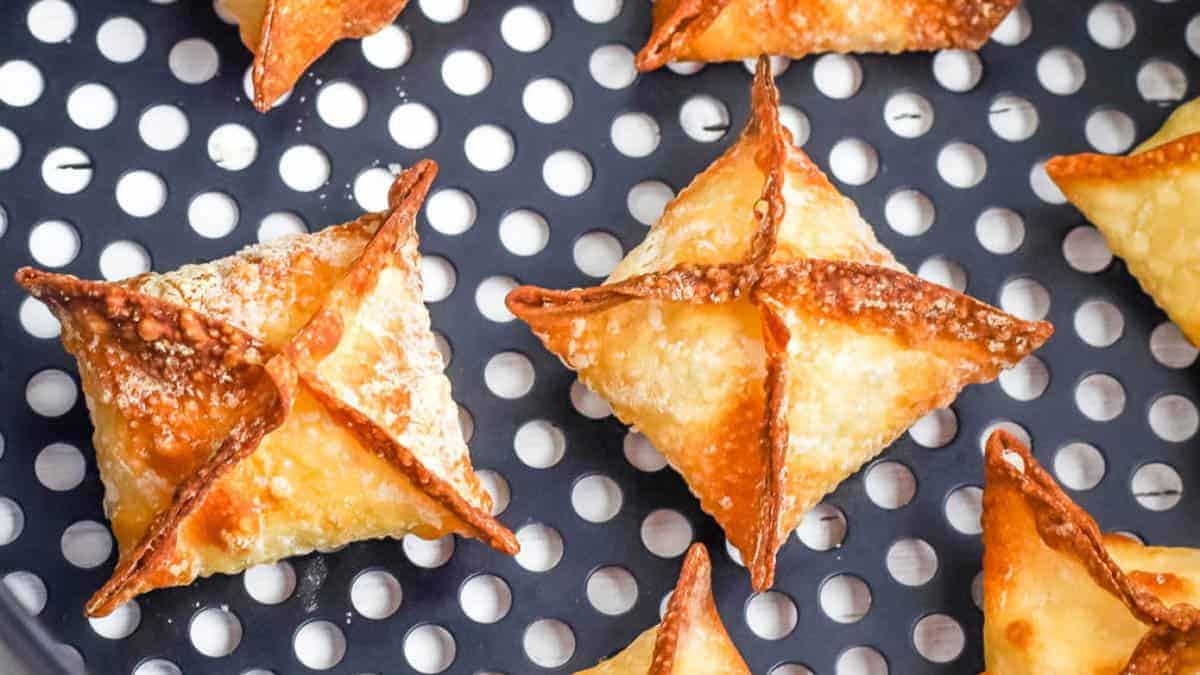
(693, 17)
(321, 335)
(693, 591)
(269, 84)
(893, 301)
(1065, 527)
(1064, 170)
(217, 343)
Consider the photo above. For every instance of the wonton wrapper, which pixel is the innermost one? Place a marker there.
(731, 30)
(286, 399)
(691, 640)
(1060, 597)
(287, 36)
(765, 342)
(1144, 204)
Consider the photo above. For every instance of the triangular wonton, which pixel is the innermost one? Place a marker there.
(729, 30)
(1143, 204)
(285, 399)
(765, 342)
(690, 640)
(287, 36)
(1060, 597)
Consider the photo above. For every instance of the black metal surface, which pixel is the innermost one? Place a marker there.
(592, 446)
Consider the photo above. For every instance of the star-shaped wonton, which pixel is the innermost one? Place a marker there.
(730, 30)
(765, 342)
(1060, 597)
(287, 36)
(285, 399)
(1144, 205)
(691, 640)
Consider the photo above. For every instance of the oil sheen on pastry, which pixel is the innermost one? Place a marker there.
(1144, 205)
(286, 399)
(765, 342)
(1060, 597)
(690, 640)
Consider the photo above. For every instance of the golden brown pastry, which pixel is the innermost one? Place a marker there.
(1060, 597)
(287, 36)
(691, 640)
(765, 342)
(285, 399)
(730, 30)
(1144, 205)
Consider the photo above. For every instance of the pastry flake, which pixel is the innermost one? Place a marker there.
(731, 30)
(690, 639)
(765, 342)
(286, 399)
(287, 36)
(1143, 204)
(1060, 597)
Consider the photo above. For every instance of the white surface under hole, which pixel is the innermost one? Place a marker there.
(1170, 348)
(547, 100)
(666, 533)
(1099, 323)
(59, 467)
(525, 29)
(92, 106)
(10, 150)
(341, 104)
(596, 498)
(549, 643)
(962, 165)
(908, 114)
(120, 623)
(642, 454)
(67, 170)
(428, 553)
(541, 547)
(466, 72)
(823, 528)
(232, 147)
(52, 21)
(37, 320)
(1000, 231)
(1027, 380)
(53, 243)
(1174, 418)
(215, 632)
(861, 661)
(304, 168)
(1025, 298)
(12, 521)
(489, 298)
(371, 188)
(280, 224)
(509, 375)
(704, 118)
(413, 125)
(1111, 25)
(21, 83)
(1157, 486)
(890, 485)
(194, 61)
(853, 161)
(319, 645)
(28, 589)
(845, 598)
(1014, 29)
(376, 594)
(1079, 466)
(612, 590)
(1110, 131)
(611, 66)
(598, 11)
(838, 76)
(451, 211)
(270, 583)
(964, 509)
(1100, 397)
(121, 39)
(489, 147)
(141, 193)
(939, 638)
(1085, 249)
(497, 488)
(936, 429)
(647, 200)
(597, 253)
(438, 278)
(567, 173)
(429, 648)
(1061, 71)
(909, 212)
(1161, 81)
(771, 615)
(539, 444)
(945, 272)
(957, 70)
(51, 393)
(524, 232)
(1013, 118)
(485, 598)
(588, 403)
(86, 544)
(389, 48)
(635, 134)
(213, 215)
(444, 11)
(911, 562)
(163, 127)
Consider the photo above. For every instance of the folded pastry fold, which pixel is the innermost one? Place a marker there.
(765, 342)
(730, 30)
(287, 36)
(1060, 597)
(690, 639)
(1143, 205)
(286, 399)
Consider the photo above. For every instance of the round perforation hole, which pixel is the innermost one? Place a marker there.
(341, 105)
(389, 48)
(91, 106)
(635, 134)
(845, 598)
(1061, 71)
(964, 509)
(524, 232)
(1085, 250)
(957, 70)
(890, 485)
(939, 638)
(28, 589)
(854, 161)
(1013, 118)
(547, 100)
(525, 29)
(771, 615)
(909, 212)
(304, 168)
(1099, 323)
(1026, 299)
(485, 598)
(21, 83)
(232, 147)
(319, 645)
(1100, 397)
(962, 165)
(413, 125)
(280, 224)
(157, 667)
(1157, 486)
(908, 115)
(429, 648)
(642, 454)
(489, 298)
(52, 21)
(704, 118)
(1170, 347)
(376, 594)
(54, 243)
(548, 643)
(539, 444)
(823, 528)
(428, 553)
(270, 584)
(489, 147)
(541, 547)
(1005, 425)
(1162, 82)
(37, 320)
(597, 253)
(466, 72)
(59, 467)
(912, 562)
(1111, 25)
(611, 66)
(1027, 380)
(69, 171)
(861, 661)
(666, 533)
(497, 488)
(1174, 418)
(51, 393)
(438, 278)
(12, 521)
(121, 39)
(596, 498)
(1110, 131)
(86, 544)
(588, 403)
(838, 76)
(1000, 231)
(1079, 466)
(120, 624)
(194, 61)
(612, 590)
(215, 632)
(936, 429)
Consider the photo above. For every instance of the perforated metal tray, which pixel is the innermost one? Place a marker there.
(1117, 79)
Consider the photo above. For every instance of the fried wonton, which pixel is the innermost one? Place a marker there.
(287, 36)
(765, 342)
(730, 30)
(690, 640)
(1060, 597)
(286, 399)
(1143, 205)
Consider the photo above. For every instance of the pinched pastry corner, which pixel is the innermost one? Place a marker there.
(286, 399)
(287, 36)
(690, 639)
(1143, 205)
(1060, 597)
(731, 30)
(765, 342)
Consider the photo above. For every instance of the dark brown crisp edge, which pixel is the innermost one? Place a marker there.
(1065, 527)
(320, 337)
(1066, 169)
(895, 302)
(137, 319)
(690, 18)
